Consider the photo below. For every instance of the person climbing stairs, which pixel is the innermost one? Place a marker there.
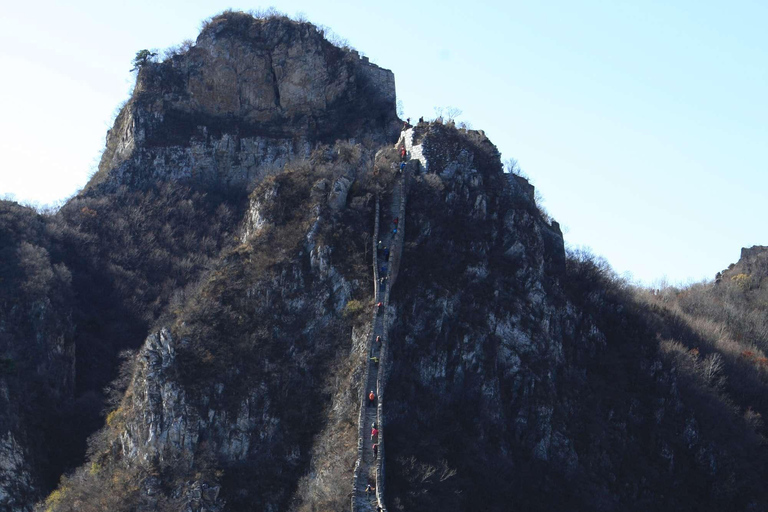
(368, 473)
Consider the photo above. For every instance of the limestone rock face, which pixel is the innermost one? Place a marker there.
(337, 198)
(213, 403)
(17, 483)
(248, 96)
(500, 349)
(482, 329)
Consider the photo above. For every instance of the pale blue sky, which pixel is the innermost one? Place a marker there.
(643, 123)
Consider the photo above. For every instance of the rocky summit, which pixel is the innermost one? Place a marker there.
(276, 295)
(247, 96)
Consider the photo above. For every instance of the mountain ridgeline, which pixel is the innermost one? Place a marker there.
(265, 244)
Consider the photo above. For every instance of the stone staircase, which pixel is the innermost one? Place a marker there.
(370, 470)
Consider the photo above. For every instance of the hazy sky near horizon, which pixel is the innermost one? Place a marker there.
(641, 123)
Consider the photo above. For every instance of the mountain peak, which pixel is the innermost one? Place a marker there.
(250, 94)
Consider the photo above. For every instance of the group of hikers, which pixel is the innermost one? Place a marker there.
(384, 252)
(407, 122)
(374, 429)
(374, 436)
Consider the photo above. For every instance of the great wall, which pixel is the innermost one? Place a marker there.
(370, 469)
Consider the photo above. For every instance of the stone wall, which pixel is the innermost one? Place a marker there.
(382, 80)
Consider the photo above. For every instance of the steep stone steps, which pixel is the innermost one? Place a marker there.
(370, 470)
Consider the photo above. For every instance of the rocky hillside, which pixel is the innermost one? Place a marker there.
(37, 353)
(211, 312)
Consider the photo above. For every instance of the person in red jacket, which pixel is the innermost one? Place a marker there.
(374, 432)
(371, 398)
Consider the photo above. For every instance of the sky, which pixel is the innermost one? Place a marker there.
(641, 123)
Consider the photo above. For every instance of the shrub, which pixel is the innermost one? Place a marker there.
(743, 281)
(354, 308)
(55, 498)
(114, 418)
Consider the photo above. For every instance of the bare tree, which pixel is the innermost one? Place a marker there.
(712, 370)
(512, 166)
(452, 113)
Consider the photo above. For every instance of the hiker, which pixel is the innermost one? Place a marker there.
(369, 489)
(402, 153)
(386, 253)
(379, 304)
(380, 245)
(394, 231)
(375, 450)
(371, 398)
(375, 360)
(378, 340)
(374, 431)
(421, 119)
(383, 269)
(395, 220)
(402, 167)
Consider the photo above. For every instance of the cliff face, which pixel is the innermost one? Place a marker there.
(248, 96)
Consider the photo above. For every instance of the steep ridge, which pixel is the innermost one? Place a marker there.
(522, 379)
(369, 469)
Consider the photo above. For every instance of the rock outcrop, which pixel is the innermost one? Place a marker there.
(248, 96)
(752, 265)
(481, 330)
